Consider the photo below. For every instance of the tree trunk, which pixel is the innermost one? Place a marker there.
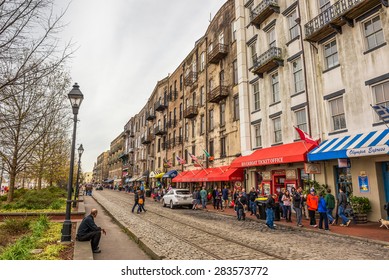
(10, 196)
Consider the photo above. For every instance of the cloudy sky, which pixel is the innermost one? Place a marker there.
(124, 48)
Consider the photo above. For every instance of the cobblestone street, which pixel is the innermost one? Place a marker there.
(185, 234)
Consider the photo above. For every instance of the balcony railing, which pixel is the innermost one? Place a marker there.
(264, 10)
(190, 78)
(150, 116)
(160, 106)
(219, 93)
(147, 139)
(191, 112)
(217, 53)
(332, 19)
(173, 95)
(267, 61)
(159, 130)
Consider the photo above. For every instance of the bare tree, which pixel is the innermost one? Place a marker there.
(28, 30)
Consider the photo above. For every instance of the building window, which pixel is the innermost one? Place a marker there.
(236, 108)
(374, 34)
(275, 86)
(298, 75)
(202, 124)
(186, 131)
(277, 130)
(202, 97)
(271, 35)
(293, 26)
(180, 111)
(235, 72)
(181, 81)
(210, 83)
(301, 121)
(202, 61)
(159, 145)
(337, 114)
(193, 151)
(222, 114)
(233, 31)
(381, 96)
(331, 54)
(186, 155)
(257, 135)
(253, 52)
(211, 122)
(193, 128)
(221, 38)
(257, 103)
(324, 5)
(211, 148)
(223, 147)
(174, 159)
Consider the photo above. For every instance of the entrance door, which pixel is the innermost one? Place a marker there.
(385, 172)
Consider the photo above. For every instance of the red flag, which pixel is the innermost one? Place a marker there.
(180, 160)
(305, 137)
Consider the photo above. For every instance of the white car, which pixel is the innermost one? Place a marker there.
(177, 197)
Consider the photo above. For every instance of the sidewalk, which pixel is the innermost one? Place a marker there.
(370, 231)
(111, 247)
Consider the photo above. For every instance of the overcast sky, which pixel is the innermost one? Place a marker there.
(124, 48)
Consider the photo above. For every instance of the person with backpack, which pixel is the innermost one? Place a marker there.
(330, 205)
(322, 209)
(252, 204)
(270, 206)
(136, 198)
(141, 203)
(342, 204)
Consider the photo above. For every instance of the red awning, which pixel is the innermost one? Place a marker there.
(226, 173)
(215, 174)
(293, 152)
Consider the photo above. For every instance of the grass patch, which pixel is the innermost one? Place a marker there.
(32, 234)
(48, 199)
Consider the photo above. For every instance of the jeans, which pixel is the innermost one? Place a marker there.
(94, 236)
(204, 202)
(288, 213)
(270, 217)
(329, 215)
(133, 207)
(253, 207)
(342, 215)
(299, 215)
(323, 217)
(241, 214)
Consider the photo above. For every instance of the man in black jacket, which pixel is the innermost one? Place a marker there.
(89, 231)
(270, 205)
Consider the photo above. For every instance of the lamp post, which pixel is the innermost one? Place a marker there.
(75, 96)
(80, 151)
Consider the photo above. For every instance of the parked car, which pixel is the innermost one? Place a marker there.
(177, 197)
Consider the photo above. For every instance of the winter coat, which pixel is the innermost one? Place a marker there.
(322, 205)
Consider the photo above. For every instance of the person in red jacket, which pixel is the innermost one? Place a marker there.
(312, 204)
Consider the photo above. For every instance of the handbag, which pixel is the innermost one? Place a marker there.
(140, 201)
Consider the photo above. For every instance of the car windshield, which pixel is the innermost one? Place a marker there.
(182, 192)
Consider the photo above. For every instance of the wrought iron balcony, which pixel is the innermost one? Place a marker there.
(264, 10)
(217, 53)
(191, 112)
(267, 61)
(150, 116)
(178, 140)
(190, 78)
(160, 105)
(332, 19)
(147, 139)
(219, 93)
(159, 130)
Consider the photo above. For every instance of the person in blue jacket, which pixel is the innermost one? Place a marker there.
(322, 209)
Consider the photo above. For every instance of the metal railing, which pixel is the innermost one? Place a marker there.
(261, 7)
(270, 54)
(325, 17)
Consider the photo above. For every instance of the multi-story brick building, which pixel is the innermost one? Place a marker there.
(100, 171)
(115, 160)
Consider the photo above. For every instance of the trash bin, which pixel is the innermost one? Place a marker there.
(262, 209)
(277, 212)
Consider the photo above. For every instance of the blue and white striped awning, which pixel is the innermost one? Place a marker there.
(363, 144)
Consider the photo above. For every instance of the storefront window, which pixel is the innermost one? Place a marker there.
(343, 180)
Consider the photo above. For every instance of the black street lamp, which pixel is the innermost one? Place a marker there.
(75, 96)
(80, 151)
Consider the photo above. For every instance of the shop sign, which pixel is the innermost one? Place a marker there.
(312, 168)
(266, 175)
(291, 174)
(368, 151)
(267, 161)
